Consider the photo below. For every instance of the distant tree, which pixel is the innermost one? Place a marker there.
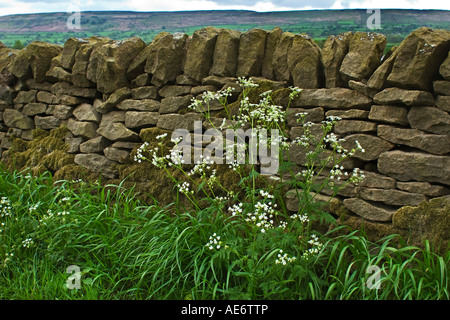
(18, 45)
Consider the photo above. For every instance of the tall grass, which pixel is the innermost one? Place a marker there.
(127, 249)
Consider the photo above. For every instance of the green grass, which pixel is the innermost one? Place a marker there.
(127, 249)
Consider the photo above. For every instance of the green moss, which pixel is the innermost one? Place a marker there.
(74, 172)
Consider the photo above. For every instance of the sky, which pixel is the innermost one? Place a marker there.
(35, 6)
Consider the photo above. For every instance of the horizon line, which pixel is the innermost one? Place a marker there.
(224, 10)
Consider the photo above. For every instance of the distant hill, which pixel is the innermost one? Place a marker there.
(319, 24)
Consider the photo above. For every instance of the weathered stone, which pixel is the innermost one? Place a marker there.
(59, 74)
(32, 109)
(304, 62)
(73, 144)
(14, 119)
(81, 63)
(113, 116)
(200, 51)
(354, 126)
(142, 80)
(280, 57)
(428, 221)
(398, 96)
(251, 52)
(272, 40)
(174, 104)
(362, 87)
(391, 196)
(375, 180)
(116, 131)
(218, 81)
(298, 155)
(165, 59)
(47, 97)
(97, 163)
(69, 51)
(126, 145)
(444, 69)
(334, 51)
(389, 114)
(348, 114)
(312, 115)
(62, 111)
(139, 105)
(172, 91)
(72, 90)
(86, 112)
(114, 99)
(415, 166)
(69, 100)
(117, 155)
(225, 55)
(441, 87)
(418, 58)
(443, 103)
(34, 60)
(378, 79)
(140, 119)
(83, 129)
(369, 211)
(201, 89)
(425, 188)
(430, 119)
(26, 97)
(7, 94)
(144, 92)
(363, 57)
(373, 146)
(110, 77)
(432, 143)
(137, 66)
(108, 63)
(47, 123)
(334, 98)
(94, 145)
(178, 121)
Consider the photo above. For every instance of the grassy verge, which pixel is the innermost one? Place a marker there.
(126, 249)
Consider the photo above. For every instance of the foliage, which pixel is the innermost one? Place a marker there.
(129, 250)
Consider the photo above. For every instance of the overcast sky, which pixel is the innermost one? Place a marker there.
(35, 6)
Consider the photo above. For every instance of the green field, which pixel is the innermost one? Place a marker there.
(319, 24)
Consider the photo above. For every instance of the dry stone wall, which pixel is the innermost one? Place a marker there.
(109, 94)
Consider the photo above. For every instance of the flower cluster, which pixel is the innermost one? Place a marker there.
(283, 258)
(5, 207)
(263, 215)
(184, 188)
(236, 209)
(202, 165)
(33, 208)
(50, 216)
(27, 242)
(140, 153)
(316, 247)
(303, 218)
(214, 242)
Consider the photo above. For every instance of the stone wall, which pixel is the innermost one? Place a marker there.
(113, 95)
